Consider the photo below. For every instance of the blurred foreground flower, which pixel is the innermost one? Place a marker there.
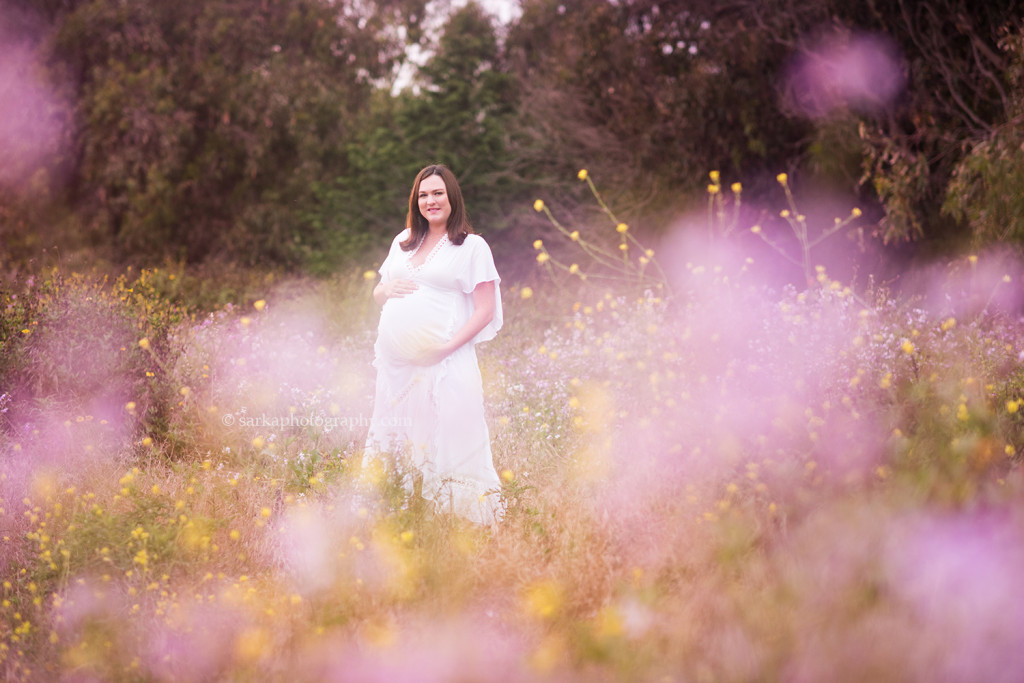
(544, 599)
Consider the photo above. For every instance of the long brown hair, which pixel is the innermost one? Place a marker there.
(458, 220)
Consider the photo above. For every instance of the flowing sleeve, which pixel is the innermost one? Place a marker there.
(476, 268)
(385, 267)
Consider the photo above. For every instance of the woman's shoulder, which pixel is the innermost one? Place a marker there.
(475, 241)
(399, 238)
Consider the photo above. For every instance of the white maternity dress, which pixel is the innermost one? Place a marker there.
(434, 415)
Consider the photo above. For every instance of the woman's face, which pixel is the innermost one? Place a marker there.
(433, 201)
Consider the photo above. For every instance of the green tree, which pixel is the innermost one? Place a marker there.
(987, 187)
(457, 112)
(959, 98)
(654, 93)
(465, 109)
(649, 95)
(206, 125)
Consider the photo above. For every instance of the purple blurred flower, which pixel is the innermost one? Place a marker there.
(962, 575)
(861, 72)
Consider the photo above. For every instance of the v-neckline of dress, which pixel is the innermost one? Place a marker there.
(430, 256)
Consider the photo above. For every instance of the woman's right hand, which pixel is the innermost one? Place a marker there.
(398, 288)
(394, 288)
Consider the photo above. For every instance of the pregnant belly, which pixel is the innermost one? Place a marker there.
(413, 325)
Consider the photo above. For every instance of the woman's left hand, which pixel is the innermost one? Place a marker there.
(434, 355)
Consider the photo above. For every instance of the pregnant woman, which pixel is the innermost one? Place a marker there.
(439, 297)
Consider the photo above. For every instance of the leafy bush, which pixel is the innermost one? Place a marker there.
(987, 189)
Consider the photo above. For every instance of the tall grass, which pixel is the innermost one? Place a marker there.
(723, 483)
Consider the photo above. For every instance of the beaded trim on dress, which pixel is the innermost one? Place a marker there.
(415, 269)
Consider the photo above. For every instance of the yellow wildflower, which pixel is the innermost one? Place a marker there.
(144, 343)
(574, 235)
(537, 244)
(259, 305)
(621, 228)
(782, 178)
(582, 175)
(538, 205)
(526, 292)
(736, 188)
(715, 177)
(251, 644)
(542, 258)
(369, 275)
(714, 189)
(544, 599)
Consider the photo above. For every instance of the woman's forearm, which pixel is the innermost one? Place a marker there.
(483, 314)
(478, 321)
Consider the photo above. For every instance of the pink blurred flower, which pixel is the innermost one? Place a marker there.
(861, 72)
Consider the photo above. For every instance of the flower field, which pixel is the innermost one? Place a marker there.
(705, 479)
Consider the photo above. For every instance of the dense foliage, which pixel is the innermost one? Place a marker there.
(276, 132)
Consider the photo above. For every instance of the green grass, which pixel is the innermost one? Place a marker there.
(727, 484)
